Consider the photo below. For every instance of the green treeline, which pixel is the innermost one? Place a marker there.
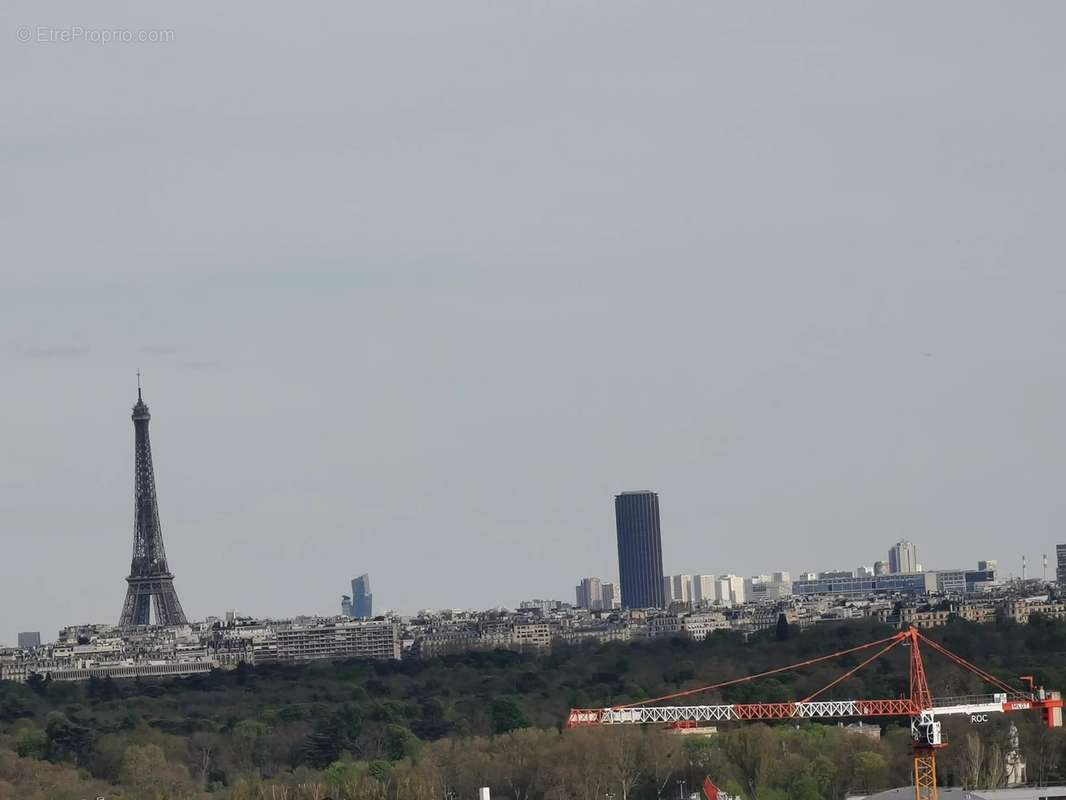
(444, 727)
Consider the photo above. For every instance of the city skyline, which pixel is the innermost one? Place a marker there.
(903, 553)
(436, 318)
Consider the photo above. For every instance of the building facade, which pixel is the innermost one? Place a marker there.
(29, 640)
(849, 585)
(703, 589)
(589, 594)
(678, 588)
(1060, 572)
(903, 558)
(362, 599)
(330, 641)
(640, 555)
(734, 590)
(964, 581)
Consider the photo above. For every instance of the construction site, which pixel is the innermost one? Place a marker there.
(917, 707)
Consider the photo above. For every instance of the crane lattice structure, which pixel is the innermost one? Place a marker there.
(919, 706)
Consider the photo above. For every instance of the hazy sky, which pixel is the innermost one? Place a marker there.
(417, 288)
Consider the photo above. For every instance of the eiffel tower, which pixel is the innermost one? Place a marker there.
(149, 576)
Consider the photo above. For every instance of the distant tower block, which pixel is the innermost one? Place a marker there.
(362, 598)
(640, 555)
(149, 576)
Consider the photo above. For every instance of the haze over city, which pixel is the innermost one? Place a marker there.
(417, 295)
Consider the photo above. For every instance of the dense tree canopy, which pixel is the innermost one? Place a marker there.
(449, 725)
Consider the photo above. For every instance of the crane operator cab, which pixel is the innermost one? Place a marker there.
(925, 731)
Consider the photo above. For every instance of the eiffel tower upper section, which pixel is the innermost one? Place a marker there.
(149, 577)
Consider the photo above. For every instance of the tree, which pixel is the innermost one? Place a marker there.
(579, 770)
(102, 689)
(381, 771)
(995, 768)
(38, 683)
(749, 749)
(804, 788)
(1042, 748)
(507, 716)
(32, 743)
(67, 739)
(145, 768)
(323, 744)
(519, 758)
(663, 758)
(972, 762)
(870, 770)
(400, 743)
(202, 749)
(625, 746)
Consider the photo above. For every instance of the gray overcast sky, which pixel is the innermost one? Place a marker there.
(416, 289)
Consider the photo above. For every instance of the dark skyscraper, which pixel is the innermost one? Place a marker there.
(362, 599)
(149, 576)
(640, 550)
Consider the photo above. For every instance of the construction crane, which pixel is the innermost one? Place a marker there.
(919, 706)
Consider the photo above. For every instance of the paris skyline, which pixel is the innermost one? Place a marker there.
(789, 273)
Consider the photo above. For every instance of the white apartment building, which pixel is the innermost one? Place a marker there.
(703, 588)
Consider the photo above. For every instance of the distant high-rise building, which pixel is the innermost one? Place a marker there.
(678, 588)
(703, 588)
(640, 552)
(590, 594)
(751, 583)
(721, 591)
(346, 605)
(362, 599)
(611, 597)
(730, 590)
(1060, 571)
(863, 572)
(987, 566)
(29, 639)
(782, 577)
(903, 558)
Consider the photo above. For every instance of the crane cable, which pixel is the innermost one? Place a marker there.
(896, 639)
(853, 670)
(962, 662)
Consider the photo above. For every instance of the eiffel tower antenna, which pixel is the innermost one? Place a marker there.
(150, 579)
